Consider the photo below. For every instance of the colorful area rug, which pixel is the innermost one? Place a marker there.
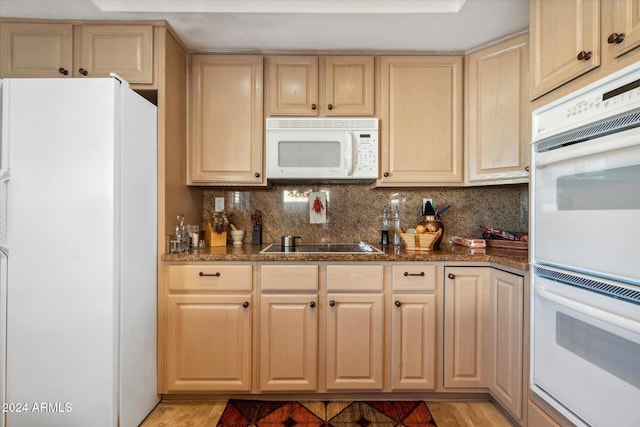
(260, 413)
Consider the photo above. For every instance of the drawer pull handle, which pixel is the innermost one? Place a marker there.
(398, 304)
(216, 274)
(332, 303)
(83, 71)
(451, 276)
(63, 71)
(312, 304)
(245, 304)
(407, 274)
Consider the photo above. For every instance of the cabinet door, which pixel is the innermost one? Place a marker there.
(466, 326)
(293, 85)
(497, 113)
(562, 32)
(625, 32)
(413, 339)
(126, 50)
(349, 86)
(421, 122)
(225, 139)
(36, 50)
(354, 341)
(208, 344)
(288, 342)
(505, 373)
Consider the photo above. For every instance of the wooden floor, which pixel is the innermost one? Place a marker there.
(446, 414)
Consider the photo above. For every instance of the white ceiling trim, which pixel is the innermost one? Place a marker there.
(282, 6)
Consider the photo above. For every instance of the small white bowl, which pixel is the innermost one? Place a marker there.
(237, 236)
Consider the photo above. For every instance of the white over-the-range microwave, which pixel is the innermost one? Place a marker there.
(322, 149)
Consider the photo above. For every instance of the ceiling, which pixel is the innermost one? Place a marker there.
(320, 25)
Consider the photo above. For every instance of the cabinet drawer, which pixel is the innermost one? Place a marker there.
(210, 277)
(414, 277)
(353, 277)
(289, 277)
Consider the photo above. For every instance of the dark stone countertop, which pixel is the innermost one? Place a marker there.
(514, 258)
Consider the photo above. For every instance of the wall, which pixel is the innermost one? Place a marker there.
(354, 211)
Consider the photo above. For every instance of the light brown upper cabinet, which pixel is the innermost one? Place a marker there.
(36, 50)
(225, 120)
(565, 40)
(571, 37)
(349, 86)
(123, 49)
(50, 50)
(321, 86)
(620, 26)
(497, 113)
(421, 121)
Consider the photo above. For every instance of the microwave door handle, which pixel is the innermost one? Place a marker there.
(349, 157)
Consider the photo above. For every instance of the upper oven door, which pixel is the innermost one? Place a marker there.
(586, 206)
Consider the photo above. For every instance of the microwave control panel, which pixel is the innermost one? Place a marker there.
(366, 155)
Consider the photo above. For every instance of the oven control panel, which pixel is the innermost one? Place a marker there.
(615, 94)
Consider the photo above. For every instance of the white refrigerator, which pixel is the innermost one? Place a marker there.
(78, 215)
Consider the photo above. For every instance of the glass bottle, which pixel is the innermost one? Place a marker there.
(384, 238)
(396, 228)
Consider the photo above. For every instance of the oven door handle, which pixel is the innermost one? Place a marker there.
(588, 310)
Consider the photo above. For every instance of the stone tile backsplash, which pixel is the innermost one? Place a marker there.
(354, 211)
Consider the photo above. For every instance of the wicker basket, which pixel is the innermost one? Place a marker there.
(421, 241)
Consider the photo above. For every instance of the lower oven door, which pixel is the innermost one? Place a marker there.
(586, 205)
(586, 349)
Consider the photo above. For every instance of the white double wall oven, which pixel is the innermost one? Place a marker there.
(585, 254)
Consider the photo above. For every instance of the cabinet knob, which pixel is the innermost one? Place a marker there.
(245, 304)
(312, 304)
(257, 174)
(314, 106)
(63, 71)
(584, 56)
(615, 38)
(386, 174)
(332, 303)
(83, 71)
(451, 276)
(398, 303)
(330, 106)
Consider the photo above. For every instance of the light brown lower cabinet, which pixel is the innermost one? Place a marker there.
(466, 327)
(483, 333)
(355, 327)
(344, 327)
(413, 326)
(413, 340)
(209, 343)
(506, 330)
(288, 327)
(208, 333)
